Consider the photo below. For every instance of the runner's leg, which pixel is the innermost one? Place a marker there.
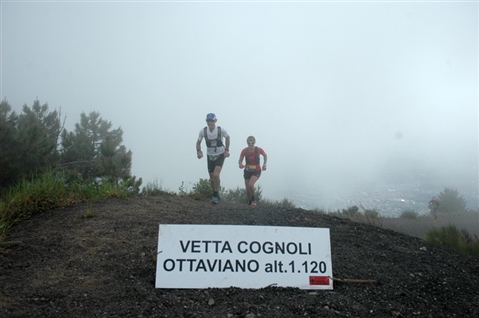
(250, 186)
(215, 179)
(248, 194)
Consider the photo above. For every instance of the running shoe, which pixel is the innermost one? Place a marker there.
(215, 200)
(253, 203)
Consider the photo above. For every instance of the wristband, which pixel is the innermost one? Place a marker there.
(226, 149)
(198, 151)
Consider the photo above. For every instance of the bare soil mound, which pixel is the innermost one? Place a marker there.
(65, 265)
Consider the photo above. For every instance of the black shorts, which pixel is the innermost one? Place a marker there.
(214, 163)
(247, 174)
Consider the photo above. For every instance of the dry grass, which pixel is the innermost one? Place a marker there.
(419, 227)
(368, 219)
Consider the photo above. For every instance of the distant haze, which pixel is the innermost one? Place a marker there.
(342, 96)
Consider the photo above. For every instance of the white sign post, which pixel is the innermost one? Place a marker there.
(203, 256)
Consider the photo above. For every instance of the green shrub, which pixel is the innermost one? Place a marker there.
(371, 213)
(409, 214)
(202, 189)
(155, 188)
(351, 211)
(182, 191)
(239, 195)
(107, 189)
(451, 236)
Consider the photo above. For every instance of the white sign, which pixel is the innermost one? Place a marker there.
(202, 256)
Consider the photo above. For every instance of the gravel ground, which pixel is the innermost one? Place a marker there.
(61, 264)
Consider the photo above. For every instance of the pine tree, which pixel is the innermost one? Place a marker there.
(38, 132)
(115, 161)
(80, 148)
(9, 164)
(29, 141)
(94, 151)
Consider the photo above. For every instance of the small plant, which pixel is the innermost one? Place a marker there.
(237, 195)
(373, 217)
(155, 188)
(351, 211)
(284, 203)
(202, 189)
(409, 214)
(182, 190)
(153, 255)
(111, 190)
(369, 216)
(89, 211)
(371, 213)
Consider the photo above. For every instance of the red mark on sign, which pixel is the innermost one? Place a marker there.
(319, 280)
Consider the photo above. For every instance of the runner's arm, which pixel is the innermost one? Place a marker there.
(265, 159)
(240, 160)
(227, 146)
(199, 153)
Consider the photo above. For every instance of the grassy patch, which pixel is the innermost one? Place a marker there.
(411, 214)
(284, 203)
(156, 188)
(49, 191)
(451, 236)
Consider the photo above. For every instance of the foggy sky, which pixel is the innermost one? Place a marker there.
(338, 94)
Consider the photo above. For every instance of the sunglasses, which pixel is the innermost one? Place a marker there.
(251, 142)
(210, 121)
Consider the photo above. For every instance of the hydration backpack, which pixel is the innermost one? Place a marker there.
(256, 156)
(219, 143)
